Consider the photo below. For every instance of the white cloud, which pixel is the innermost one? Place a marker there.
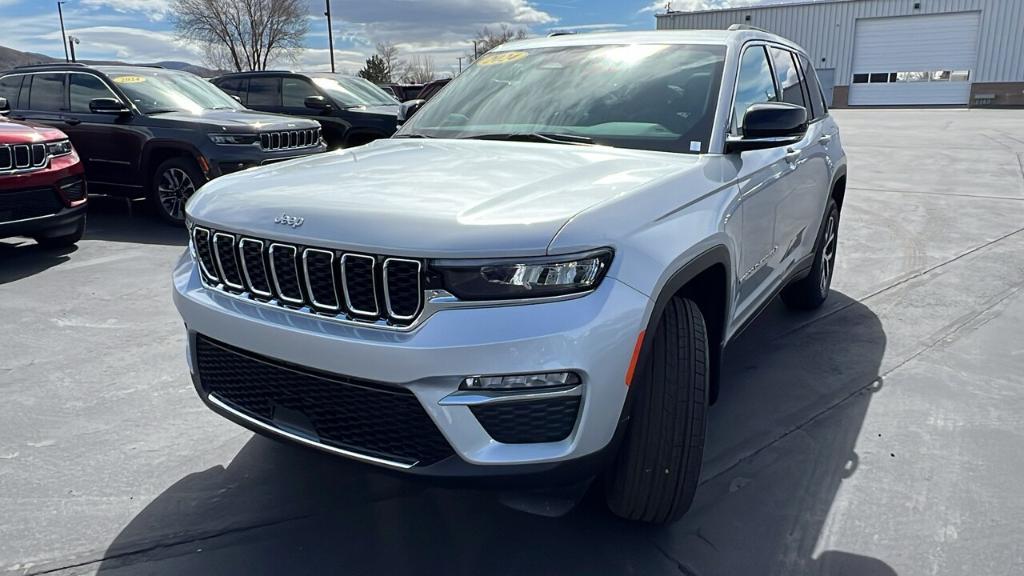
(688, 5)
(155, 10)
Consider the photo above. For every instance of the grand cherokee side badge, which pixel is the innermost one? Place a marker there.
(293, 221)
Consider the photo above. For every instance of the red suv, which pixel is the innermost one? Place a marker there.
(42, 184)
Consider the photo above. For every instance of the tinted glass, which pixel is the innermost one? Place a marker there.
(353, 92)
(47, 92)
(294, 92)
(10, 86)
(84, 88)
(788, 76)
(813, 88)
(232, 87)
(264, 92)
(754, 85)
(644, 96)
(155, 90)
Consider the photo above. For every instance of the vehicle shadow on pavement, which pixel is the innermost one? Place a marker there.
(23, 258)
(782, 441)
(118, 220)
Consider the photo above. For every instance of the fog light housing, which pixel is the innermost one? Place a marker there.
(521, 381)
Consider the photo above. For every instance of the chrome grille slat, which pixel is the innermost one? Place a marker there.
(345, 286)
(23, 156)
(290, 139)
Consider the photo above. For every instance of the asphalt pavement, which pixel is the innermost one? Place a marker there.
(879, 435)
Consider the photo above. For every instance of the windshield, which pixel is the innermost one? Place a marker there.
(645, 96)
(351, 92)
(170, 91)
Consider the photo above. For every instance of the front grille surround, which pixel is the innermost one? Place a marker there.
(23, 157)
(350, 287)
(290, 139)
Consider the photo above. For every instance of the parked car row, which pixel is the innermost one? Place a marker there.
(149, 132)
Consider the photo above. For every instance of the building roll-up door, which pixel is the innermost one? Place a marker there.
(914, 60)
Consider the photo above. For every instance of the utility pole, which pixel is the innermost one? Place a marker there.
(330, 34)
(63, 34)
(475, 53)
(72, 40)
(460, 63)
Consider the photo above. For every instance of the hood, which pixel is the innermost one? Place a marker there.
(430, 198)
(240, 120)
(384, 110)
(26, 133)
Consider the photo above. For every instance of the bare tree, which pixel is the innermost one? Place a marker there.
(419, 70)
(253, 33)
(488, 38)
(217, 57)
(388, 52)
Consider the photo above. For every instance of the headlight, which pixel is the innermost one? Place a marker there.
(524, 278)
(234, 139)
(58, 148)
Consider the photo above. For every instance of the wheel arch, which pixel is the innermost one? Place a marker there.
(838, 189)
(158, 152)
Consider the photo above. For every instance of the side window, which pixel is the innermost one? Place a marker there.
(789, 76)
(233, 87)
(84, 88)
(10, 87)
(264, 92)
(813, 88)
(754, 84)
(294, 92)
(47, 92)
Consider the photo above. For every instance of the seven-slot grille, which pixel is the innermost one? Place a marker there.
(343, 285)
(286, 139)
(22, 156)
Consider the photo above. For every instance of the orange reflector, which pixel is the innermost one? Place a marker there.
(204, 164)
(636, 356)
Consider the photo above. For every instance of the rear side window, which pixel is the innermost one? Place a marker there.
(754, 84)
(47, 92)
(233, 87)
(85, 88)
(10, 87)
(264, 92)
(813, 88)
(788, 76)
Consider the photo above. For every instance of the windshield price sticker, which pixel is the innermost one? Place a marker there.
(496, 58)
(129, 79)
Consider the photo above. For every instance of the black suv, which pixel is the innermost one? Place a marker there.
(148, 131)
(353, 111)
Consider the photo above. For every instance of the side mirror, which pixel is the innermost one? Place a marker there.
(317, 103)
(4, 107)
(408, 108)
(108, 106)
(770, 125)
(235, 98)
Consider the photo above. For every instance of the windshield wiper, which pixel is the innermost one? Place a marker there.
(412, 136)
(162, 110)
(549, 137)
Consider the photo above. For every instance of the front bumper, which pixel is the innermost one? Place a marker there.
(593, 335)
(225, 160)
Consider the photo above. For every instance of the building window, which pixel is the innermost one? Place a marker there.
(941, 75)
(879, 78)
(960, 76)
(860, 78)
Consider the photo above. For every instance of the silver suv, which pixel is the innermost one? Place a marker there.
(532, 283)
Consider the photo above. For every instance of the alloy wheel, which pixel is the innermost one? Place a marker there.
(828, 254)
(175, 188)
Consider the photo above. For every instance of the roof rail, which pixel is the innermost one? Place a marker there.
(561, 33)
(24, 66)
(735, 27)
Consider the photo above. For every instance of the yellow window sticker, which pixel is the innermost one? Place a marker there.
(129, 79)
(495, 58)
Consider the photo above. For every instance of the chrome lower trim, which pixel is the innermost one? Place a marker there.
(387, 289)
(484, 397)
(245, 268)
(373, 282)
(284, 433)
(216, 256)
(273, 272)
(309, 287)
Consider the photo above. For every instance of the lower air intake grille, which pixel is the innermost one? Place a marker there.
(31, 203)
(362, 417)
(528, 422)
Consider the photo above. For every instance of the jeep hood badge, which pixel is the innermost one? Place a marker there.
(293, 221)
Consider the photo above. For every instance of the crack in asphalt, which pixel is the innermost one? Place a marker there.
(952, 194)
(165, 545)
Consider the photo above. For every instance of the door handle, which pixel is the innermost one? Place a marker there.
(792, 155)
(72, 121)
(827, 138)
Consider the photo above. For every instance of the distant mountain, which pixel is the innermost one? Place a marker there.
(9, 58)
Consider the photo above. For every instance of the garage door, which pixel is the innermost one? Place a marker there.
(914, 59)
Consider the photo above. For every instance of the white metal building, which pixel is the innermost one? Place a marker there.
(896, 52)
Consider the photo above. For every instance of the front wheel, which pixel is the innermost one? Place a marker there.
(174, 182)
(658, 466)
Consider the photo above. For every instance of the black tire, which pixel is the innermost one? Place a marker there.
(811, 291)
(64, 240)
(173, 183)
(658, 466)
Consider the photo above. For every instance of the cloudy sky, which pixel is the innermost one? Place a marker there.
(143, 30)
